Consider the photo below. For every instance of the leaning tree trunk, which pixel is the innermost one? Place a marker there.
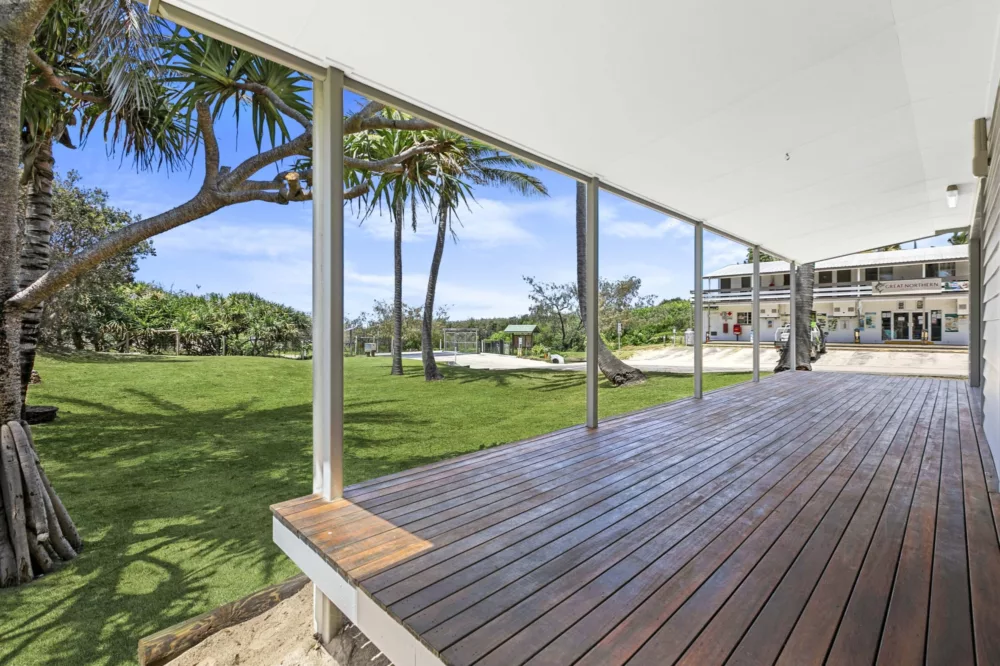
(399, 211)
(35, 529)
(804, 279)
(35, 253)
(431, 372)
(615, 370)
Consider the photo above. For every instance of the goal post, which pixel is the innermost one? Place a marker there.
(460, 340)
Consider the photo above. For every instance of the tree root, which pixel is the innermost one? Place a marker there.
(36, 532)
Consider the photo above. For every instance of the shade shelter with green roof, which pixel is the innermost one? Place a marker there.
(521, 336)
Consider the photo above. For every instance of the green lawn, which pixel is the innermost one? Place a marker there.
(168, 466)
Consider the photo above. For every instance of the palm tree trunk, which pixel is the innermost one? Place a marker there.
(431, 372)
(615, 370)
(13, 57)
(804, 277)
(35, 253)
(397, 300)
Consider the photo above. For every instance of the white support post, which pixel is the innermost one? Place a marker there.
(755, 313)
(328, 311)
(699, 314)
(793, 323)
(328, 285)
(593, 329)
(975, 311)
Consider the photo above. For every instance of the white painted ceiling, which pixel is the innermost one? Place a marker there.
(816, 128)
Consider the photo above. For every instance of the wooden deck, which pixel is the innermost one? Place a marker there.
(811, 518)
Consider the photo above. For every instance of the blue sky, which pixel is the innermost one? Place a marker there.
(266, 248)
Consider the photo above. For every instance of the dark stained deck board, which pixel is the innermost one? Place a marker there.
(981, 537)
(436, 500)
(432, 521)
(704, 470)
(811, 518)
(806, 505)
(949, 625)
(499, 535)
(804, 545)
(620, 584)
(490, 574)
(695, 561)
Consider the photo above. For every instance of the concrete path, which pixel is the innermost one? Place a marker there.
(932, 363)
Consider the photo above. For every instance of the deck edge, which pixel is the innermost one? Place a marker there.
(390, 635)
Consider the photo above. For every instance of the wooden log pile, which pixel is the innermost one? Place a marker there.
(36, 531)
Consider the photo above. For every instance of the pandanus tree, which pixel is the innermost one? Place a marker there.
(114, 91)
(199, 80)
(35, 529)
(455, 170)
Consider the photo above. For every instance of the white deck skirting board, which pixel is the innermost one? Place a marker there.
(391, 637)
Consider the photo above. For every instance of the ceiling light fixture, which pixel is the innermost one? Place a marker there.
(951, 194)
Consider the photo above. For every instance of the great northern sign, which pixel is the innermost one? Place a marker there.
(893, 287)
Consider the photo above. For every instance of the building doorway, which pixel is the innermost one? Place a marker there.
(919, 323)
(935, 326)
(901, 326)
(886, 326)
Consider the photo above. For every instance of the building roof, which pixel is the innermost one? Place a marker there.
(521, 328)
(894, 257)
(811, 129)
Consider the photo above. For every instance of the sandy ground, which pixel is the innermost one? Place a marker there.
(934, 363)
(283, 637)
(280, 637)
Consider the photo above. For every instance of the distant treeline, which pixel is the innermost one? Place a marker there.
(147, 318)
(554, 309)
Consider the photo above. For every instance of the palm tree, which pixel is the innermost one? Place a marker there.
(465, 163)
(411, 185)
(615, 370)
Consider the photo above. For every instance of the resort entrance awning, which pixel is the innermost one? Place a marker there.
(813, 129)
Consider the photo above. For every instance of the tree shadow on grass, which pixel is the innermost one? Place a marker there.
(173, 506)
(109, 357)
(539, 380)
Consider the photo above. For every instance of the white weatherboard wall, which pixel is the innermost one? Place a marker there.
(991, 295)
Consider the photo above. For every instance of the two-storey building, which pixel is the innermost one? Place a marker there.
(917, 294)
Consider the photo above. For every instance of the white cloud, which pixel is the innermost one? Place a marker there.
(613, 223)
(626, 229)
(484, 223)
(243, 241)
(463, 300)
(721, 252)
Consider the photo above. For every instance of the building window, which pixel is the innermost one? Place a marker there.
(844, 276)
(786, 280)
(826, 277)
(725, 283)
(744, 318)
(878, 273)
(747, 281)
(942, 270)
